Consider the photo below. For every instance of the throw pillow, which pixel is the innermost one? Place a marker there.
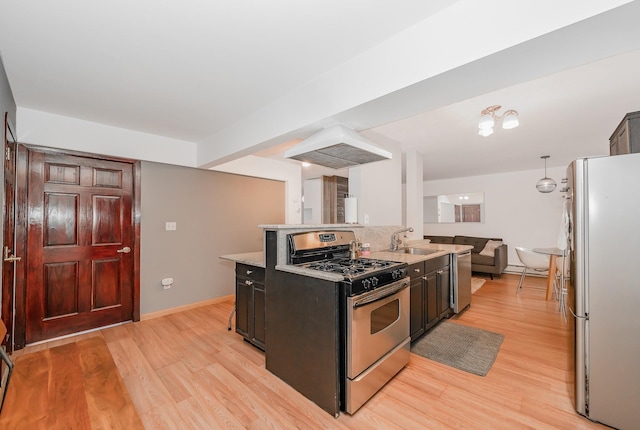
(489, 249)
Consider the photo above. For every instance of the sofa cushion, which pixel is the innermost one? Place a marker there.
(489, 249)
(440, 239)
(482, 260)
(478, 243)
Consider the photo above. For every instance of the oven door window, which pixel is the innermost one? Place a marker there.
(384, 316)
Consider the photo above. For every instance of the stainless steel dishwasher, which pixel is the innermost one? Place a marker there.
(461, 291)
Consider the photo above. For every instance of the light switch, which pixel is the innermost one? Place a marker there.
(170, 226)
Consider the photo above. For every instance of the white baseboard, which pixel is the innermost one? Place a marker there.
(517, 270)
(169, 311)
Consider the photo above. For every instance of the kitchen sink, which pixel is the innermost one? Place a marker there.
(417, 251)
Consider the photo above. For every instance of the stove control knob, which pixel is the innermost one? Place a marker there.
(397, 274)
(374, 281)
(366, 284)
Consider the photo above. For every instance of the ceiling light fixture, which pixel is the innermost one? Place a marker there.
(488, 118)
(546, 185)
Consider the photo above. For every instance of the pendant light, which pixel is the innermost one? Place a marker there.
(546, 185)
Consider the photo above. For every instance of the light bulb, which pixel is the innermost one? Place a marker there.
(485, 132)
(486, 121)
(510, 120)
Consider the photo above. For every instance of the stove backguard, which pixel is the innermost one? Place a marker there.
(318, 245)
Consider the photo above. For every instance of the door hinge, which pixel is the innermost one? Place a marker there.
(7, 152)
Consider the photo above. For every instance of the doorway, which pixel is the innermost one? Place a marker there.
(77, 232)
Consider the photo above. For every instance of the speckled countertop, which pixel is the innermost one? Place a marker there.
(442, 249)
(399, 256)
(250, 258)
(257, 258)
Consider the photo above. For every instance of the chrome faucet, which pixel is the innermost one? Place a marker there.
(395, 239)
(354, 249)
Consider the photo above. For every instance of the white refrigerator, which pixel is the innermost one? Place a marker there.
(604, 290)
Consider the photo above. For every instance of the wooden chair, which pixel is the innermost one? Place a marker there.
(4, 383)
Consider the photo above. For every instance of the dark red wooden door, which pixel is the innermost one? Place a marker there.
(80, 240)
(8, 233)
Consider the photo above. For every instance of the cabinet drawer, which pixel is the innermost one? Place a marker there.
(436, 263)
(415, 270)
(252, 272)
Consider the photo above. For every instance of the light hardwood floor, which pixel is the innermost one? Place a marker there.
(186, 371)
(75, 385)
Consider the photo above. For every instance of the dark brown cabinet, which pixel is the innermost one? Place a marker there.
(250, 303)
(432, 316)
(430, 290)
(418, 300)
(626, 138)
(443, 288)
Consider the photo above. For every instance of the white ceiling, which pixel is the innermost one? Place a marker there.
(566, 115)
(193, 70)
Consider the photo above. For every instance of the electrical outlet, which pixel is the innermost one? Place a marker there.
(170, 226)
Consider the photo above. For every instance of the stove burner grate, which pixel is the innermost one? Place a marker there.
(350, 267)
(368, 263)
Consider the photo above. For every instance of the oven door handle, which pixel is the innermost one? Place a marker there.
(377, 295)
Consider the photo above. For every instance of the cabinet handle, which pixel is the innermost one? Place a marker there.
(424, 278)
(248, 282)
(249, 272)
(416, 270)
(440, 272)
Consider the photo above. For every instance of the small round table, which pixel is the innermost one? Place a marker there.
(552, 253)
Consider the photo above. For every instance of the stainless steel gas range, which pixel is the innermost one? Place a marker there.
(371, 327)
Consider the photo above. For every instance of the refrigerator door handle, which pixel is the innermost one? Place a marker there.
(586, 317)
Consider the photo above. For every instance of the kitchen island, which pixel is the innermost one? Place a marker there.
(315, 328)
(306, 312)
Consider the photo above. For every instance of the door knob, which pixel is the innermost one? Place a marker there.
(11, 257)
(124, 250)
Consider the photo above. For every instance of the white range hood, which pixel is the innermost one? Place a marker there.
(337, 147)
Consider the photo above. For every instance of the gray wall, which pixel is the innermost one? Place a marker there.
(7, 102)
(216, 214)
